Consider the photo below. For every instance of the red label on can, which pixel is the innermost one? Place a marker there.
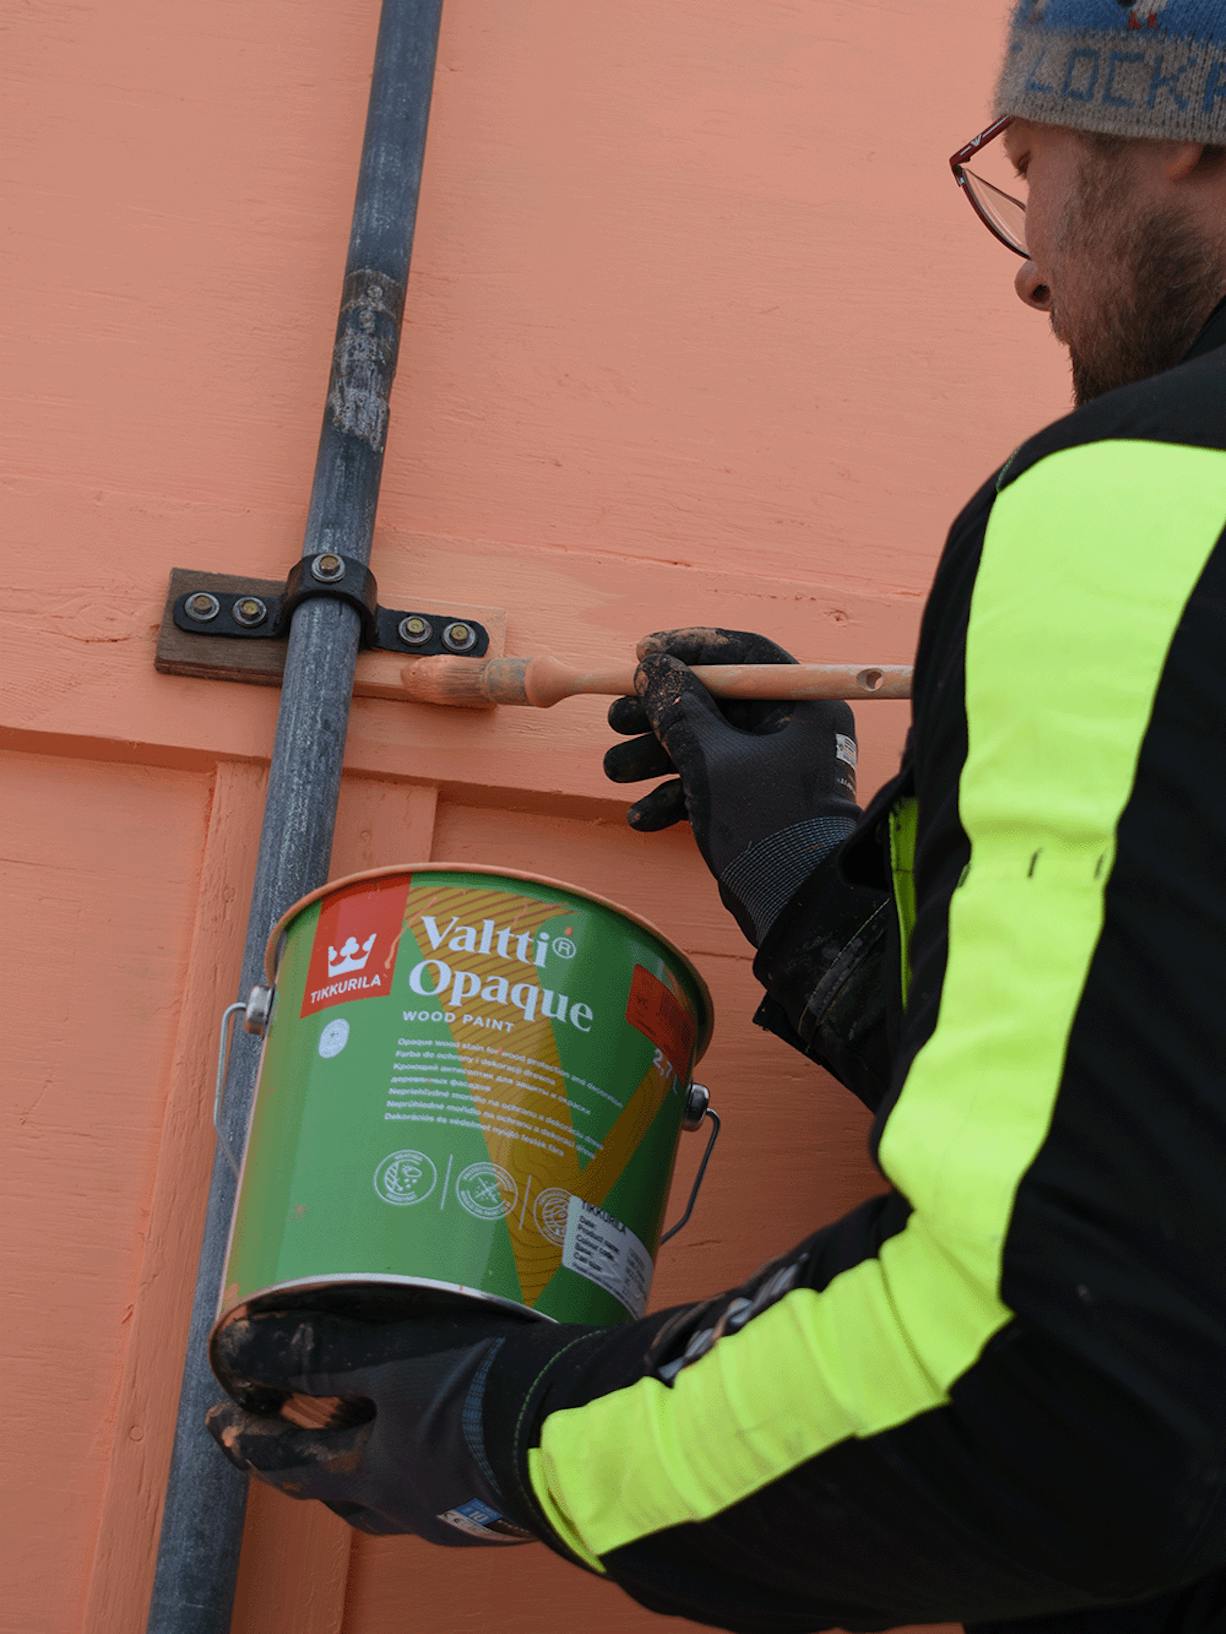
(356, 942)
(660, 1016)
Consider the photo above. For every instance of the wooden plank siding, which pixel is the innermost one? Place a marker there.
(698, 330)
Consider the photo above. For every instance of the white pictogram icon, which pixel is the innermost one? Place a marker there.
(551, 1209)
(564, 947)
(352, 956)
(405, 1177)
(333, 1039)
(486, 1190)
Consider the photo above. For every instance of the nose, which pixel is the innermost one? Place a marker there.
(1031, 289)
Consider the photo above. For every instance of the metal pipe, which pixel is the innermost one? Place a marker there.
(202, 1524)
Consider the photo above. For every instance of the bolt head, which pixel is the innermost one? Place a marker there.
(459, 637)
(697, 1100)
(202, 606)
(415, 630)
(328, 567)
(259, 1009)
(250, 611)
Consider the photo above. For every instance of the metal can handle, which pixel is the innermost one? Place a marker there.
(698, 1111)
(225, 1038)
(257, 1010)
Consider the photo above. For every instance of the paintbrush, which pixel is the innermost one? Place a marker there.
(539, 683)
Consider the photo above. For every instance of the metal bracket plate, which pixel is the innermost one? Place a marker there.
(249, 612)
(211, 655)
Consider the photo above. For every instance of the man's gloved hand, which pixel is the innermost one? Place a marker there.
(416, 1463)
(769, 788)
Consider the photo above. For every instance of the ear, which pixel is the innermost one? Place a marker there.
(1180, 159)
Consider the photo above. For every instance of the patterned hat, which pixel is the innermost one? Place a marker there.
(1150, 68)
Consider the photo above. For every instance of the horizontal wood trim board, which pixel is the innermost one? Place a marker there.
(84, 683)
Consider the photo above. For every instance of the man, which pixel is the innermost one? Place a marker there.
(996, 1394)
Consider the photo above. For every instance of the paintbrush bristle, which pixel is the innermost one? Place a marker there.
(458, 682)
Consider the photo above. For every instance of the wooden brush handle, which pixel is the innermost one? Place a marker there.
(542, 682)
(547, 681)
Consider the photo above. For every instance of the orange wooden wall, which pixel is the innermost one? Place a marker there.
(698, 330)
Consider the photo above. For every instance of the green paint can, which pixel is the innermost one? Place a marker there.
(472, 1087)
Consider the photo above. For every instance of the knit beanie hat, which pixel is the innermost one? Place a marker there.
(1123, 67)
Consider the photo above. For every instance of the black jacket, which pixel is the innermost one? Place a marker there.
(997, 1389)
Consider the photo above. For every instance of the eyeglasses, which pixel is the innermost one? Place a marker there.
(1002, 214)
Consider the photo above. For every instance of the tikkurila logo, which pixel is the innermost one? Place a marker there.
(353, 956)
(356, 941)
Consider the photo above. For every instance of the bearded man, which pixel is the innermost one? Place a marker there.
(996, 1393)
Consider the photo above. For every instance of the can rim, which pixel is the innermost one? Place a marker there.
(341, 1279)
(272, 949)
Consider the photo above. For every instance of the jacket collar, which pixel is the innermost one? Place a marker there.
(1211, 337)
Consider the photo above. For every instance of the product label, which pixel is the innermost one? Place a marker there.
(845, 750)
(599, 1247)
(356, 942)
(660, 1016)
(497, 1126)
(479, 1520)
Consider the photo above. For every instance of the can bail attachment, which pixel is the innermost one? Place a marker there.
(697, 1109)
(256, 1010)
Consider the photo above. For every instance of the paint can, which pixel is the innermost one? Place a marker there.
(472, 1087)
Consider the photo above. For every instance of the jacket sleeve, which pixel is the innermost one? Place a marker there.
(643, 1454)
(992, 1381)
(825, 968)
(830, 964)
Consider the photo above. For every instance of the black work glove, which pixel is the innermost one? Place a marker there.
(769, 788)
(416, 1463)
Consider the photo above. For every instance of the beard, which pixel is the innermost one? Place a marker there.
(1159, 281)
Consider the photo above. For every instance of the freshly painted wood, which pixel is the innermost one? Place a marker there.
(372, 823)
(699, 330)
(516, 1595)
(173, 1211)
(83, 681)
(99, 872)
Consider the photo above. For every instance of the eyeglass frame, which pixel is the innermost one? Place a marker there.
(958, 165)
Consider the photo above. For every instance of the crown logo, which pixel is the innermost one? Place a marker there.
(352, 956)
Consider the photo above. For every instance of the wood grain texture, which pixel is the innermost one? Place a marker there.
(532, 1591)
(664, 296)
(99, 870)
(692, 335)
(294, 1559)
(83, 681)
(661, 876)
(148, 1383)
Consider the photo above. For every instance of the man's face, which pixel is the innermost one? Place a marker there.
(1116, 257)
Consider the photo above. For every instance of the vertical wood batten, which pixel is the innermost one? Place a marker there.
(132, 1498)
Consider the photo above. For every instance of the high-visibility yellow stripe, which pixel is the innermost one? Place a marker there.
(1088, 563)
(556, 1517)
(904, 829)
